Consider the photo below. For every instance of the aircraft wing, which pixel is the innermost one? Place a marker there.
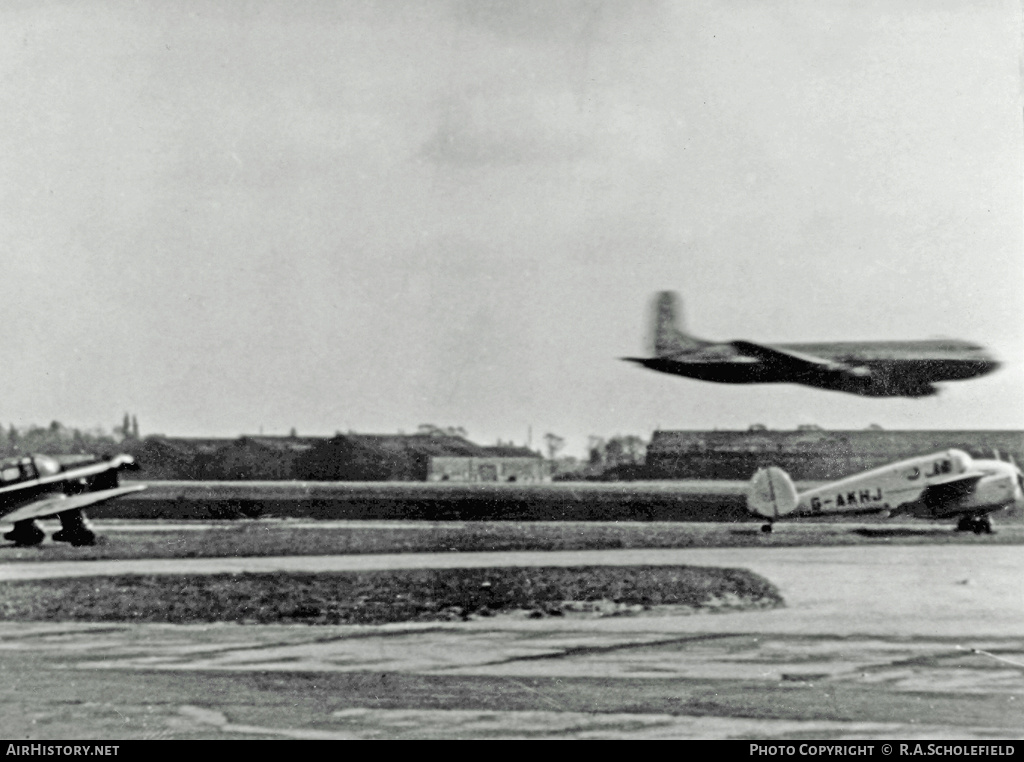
(944, 491)
(51, 506)
(797, 361)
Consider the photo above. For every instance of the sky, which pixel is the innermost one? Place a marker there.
(240, 217)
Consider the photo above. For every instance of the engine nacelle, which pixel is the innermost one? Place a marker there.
(995, 489)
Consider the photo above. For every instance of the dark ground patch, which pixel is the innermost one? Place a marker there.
(883, 532)
(376, 597)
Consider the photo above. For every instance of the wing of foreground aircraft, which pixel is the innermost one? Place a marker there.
(943, 492)
(36, 486)
(58, 504)
(944, 485)
(798, 363)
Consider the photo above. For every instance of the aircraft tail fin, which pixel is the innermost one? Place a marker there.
(772, 493)
(669, 337)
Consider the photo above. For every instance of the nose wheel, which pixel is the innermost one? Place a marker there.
(766, 528)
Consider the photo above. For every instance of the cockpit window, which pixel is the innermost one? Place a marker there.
(962, 462)
(28, 469)
(17, 469)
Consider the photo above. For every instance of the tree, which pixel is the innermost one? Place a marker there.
(620, 450)
(432, 430)
(554, 444)
(135, 427)
(631, 449)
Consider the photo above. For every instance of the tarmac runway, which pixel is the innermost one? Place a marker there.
(875, 642)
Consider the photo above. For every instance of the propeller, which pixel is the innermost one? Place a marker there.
(1020, 475)
(996, 455)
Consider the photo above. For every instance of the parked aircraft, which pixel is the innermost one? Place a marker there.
(870, 369)
(944, 485)
(37, 486)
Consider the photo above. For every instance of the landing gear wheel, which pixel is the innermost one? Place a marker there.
(74, 530)
(83, 538)
(25, 533)
(77, 537)
(983, 526)
(766, 528)
(965, 524)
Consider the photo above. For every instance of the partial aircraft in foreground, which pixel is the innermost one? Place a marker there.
(37, 487)
(944, 485)
(870, 369)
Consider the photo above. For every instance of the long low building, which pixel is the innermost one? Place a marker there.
(489, 469)
(811, 454)
(343, 457)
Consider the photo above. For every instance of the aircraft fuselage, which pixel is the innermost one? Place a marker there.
(944, 485)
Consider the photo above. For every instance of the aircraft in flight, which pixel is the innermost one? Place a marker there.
(37, 486)
(945, 485)
(869, 369)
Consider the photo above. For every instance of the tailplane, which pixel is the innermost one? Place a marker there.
(772, 493)
(669, 337)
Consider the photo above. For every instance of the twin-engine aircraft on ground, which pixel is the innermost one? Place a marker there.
(944, 485)
(870, 369)
(37, 487)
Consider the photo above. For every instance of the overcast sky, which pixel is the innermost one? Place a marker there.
(240, 216)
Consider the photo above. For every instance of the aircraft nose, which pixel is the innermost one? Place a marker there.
(1018, 492)
(987, 363)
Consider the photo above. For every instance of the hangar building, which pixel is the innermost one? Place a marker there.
(495, 464)
(810, 453)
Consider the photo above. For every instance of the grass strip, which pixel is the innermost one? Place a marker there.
(268, 538)
(379, 597)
